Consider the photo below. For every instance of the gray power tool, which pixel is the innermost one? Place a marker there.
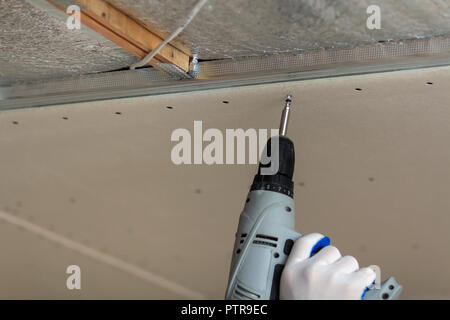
(266, 231)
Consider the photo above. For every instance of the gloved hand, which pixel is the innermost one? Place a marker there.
(324, 276)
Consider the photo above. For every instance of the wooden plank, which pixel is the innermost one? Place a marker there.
(107, 33)
(134, 32)
(110, 35)
(127, 33)
(157, 32)
(117, 39)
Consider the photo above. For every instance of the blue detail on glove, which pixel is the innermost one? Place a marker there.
(367, 288)
(322, 243)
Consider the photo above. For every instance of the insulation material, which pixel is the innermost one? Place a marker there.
(235, 28)
(35, 44)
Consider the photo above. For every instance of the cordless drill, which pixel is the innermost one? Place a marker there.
(266, 230)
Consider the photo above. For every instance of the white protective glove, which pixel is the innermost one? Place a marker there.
(324, 276)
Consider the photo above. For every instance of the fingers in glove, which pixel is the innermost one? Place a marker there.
(303, 246)
(327, 255)
(347, 264)
(364, 276)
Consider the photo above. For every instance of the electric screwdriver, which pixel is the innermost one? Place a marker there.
(266, 230)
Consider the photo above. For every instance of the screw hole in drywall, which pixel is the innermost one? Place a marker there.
(65, 118)
(358, 89)
(226, 101)
(15, 122)
(429, 83)
(119, 113)
(169, 107)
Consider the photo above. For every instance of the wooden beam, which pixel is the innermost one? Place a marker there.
(127, 33)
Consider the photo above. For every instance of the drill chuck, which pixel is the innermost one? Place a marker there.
(281, 181)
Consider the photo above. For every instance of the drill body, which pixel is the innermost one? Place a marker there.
(263, 241)
(266, 231)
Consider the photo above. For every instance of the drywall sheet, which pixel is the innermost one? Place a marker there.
(93, 185)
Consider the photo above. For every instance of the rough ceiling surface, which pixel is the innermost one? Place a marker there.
(81, 184)
(235, 28)
(35, 44)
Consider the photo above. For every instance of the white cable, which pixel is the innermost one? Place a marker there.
(191, 16)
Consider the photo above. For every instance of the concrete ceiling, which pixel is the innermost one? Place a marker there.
(36, 45)
(235, 28)
(99, 190)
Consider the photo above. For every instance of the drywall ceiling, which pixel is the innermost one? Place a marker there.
(81, 184)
